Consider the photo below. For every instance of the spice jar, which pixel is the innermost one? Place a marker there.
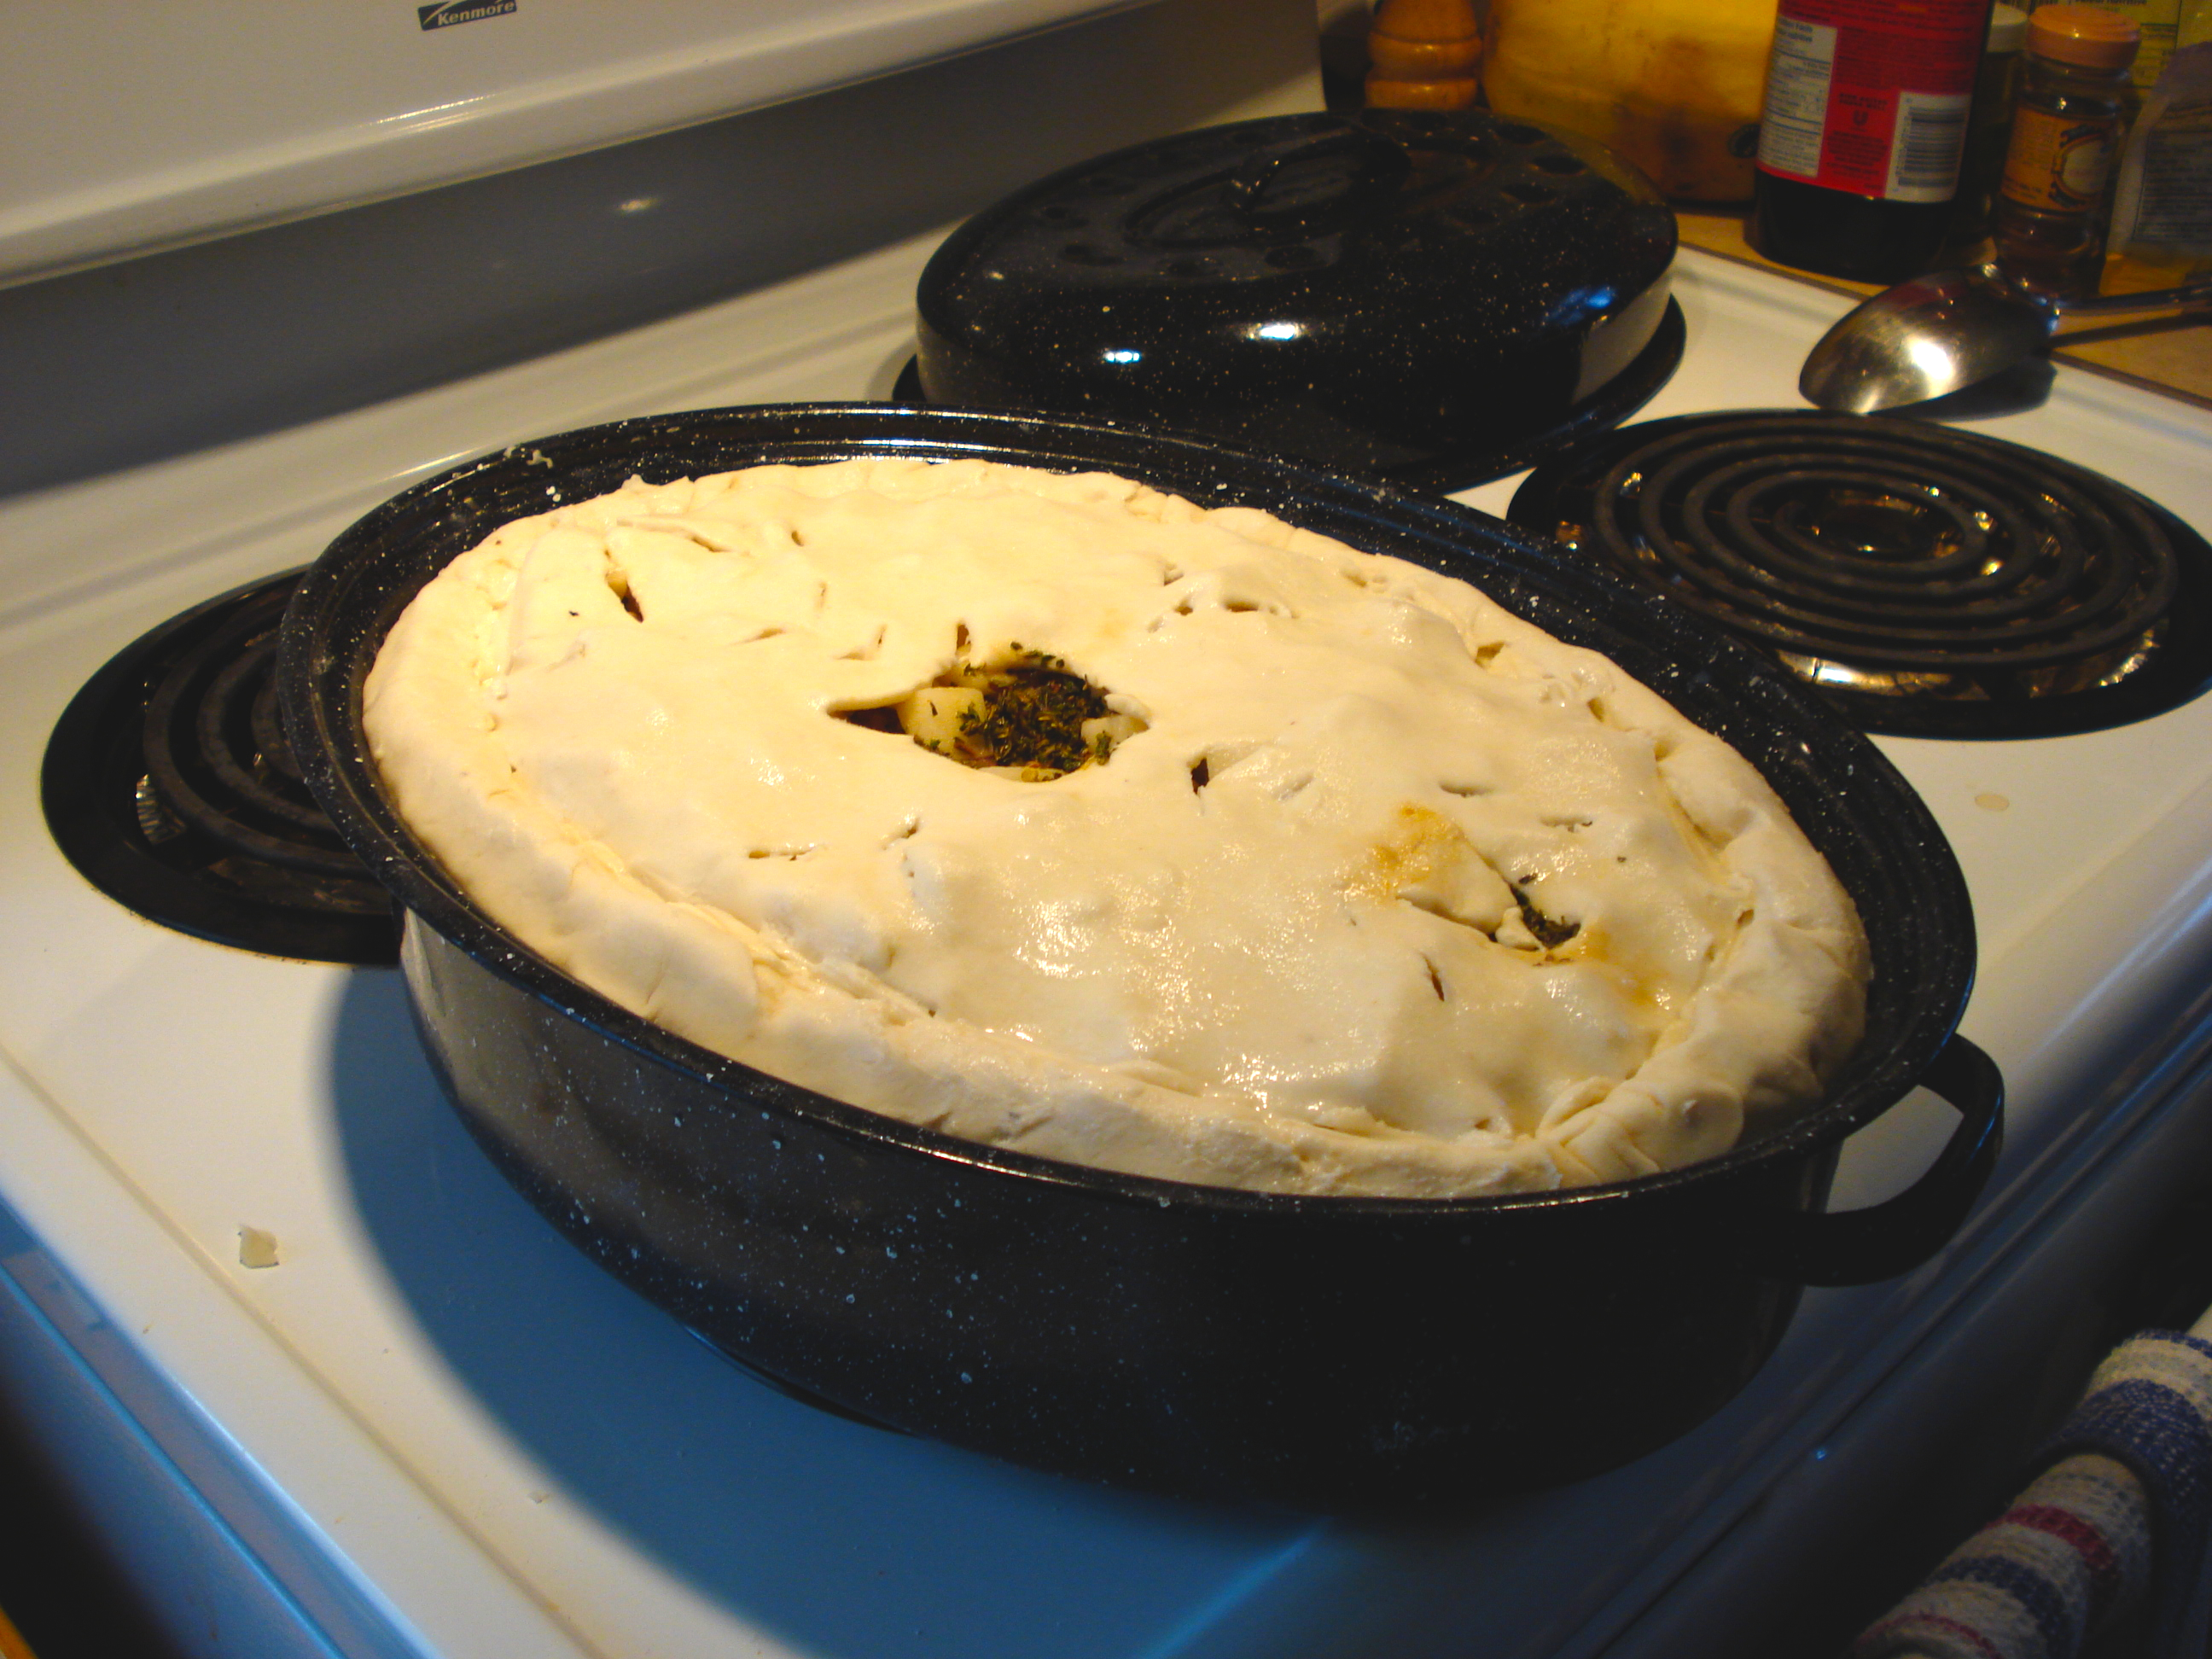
(2073, 110)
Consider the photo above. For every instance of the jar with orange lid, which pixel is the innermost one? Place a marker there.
(2075, 104)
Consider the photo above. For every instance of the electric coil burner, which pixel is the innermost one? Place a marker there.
(1933, 583)
(170, 785)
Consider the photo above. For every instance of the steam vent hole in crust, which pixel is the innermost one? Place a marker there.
(1026, 714)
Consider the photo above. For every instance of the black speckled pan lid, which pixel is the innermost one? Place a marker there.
(1413, 294)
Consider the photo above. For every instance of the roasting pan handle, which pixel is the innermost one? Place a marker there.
(1858, 1246)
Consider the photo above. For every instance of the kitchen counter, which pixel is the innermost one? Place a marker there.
(2172, 355)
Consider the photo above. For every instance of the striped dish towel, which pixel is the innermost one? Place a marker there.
(2118, 1512)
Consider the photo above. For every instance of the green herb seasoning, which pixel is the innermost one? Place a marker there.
(1031, 713)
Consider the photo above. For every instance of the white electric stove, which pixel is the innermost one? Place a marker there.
(433, 1428)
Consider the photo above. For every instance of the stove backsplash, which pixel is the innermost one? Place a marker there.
(131, 363)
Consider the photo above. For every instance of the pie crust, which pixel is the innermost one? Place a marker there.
(1379, 890)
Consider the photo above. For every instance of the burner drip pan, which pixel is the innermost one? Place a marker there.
(169, 783)
(1932, 582)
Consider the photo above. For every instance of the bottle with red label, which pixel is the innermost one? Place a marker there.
(1861, 136)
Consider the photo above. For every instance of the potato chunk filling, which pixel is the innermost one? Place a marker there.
(1028, 714)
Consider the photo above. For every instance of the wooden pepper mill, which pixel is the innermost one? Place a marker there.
(1423, 54)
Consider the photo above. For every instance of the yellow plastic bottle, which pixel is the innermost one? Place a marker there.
(1673, 85)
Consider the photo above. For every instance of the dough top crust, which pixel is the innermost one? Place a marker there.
(1392, 893)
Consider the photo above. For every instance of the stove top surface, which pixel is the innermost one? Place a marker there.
(1931, 582)
(448, 1431)
(169, 782)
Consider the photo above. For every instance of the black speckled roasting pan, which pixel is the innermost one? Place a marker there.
(1328, 1352)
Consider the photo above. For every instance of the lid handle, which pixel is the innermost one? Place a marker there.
(1381, 165)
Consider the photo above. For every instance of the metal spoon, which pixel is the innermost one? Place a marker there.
(1951, 329)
